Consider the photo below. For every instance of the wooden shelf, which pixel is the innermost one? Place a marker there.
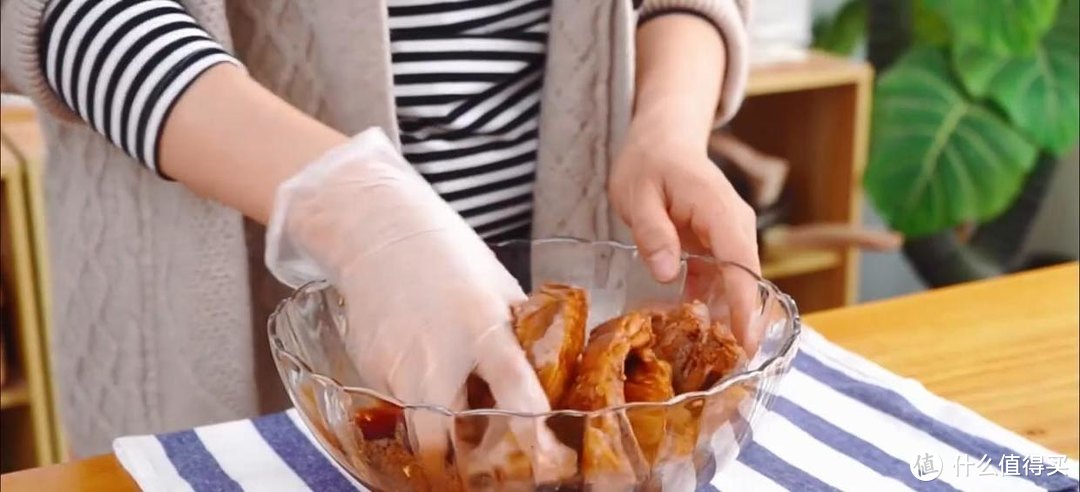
(817, 71)
(800, 263)
(29, 423)
(815, 114)
(14, 394)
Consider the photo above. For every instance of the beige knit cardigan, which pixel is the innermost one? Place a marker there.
(160, 298)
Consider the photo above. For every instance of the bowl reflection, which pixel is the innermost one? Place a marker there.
(674, 445)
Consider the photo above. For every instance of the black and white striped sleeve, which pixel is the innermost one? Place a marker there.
(121, 65)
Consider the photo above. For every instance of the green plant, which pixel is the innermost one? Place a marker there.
(986, 87)
(844, 31)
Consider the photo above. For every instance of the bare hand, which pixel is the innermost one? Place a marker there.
(675, 199)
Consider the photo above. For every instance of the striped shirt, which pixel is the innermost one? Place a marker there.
(122, 64)
(467, 78)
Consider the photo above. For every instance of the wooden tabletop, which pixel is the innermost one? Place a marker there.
(1008, 348)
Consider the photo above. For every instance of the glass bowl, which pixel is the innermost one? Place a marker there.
(674, 445)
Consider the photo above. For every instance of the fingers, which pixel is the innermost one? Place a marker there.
(726, 226)
(700, 280)
(655, 235)
(734, 239)
(515, 387)
(502, 364)
(728, 291)
(431, 434)
(442, 384)
(741, 291)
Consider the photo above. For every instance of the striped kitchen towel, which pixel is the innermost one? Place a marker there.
(839, 422)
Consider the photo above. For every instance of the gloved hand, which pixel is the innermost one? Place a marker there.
(427, 301)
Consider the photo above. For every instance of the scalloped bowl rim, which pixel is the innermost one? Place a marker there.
(789, 345)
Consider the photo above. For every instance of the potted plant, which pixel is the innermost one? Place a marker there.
(975, 103)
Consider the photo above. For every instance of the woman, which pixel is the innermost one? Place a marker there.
(517, 115)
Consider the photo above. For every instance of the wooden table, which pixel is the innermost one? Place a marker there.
(1007, 348)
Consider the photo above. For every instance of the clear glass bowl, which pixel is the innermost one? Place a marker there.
(674, 445)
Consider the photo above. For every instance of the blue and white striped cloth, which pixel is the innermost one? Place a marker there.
(839, 422)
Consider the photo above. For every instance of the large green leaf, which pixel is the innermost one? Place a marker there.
(928, 26)
(842, 33)
(1001, 26)
(1039, 91)
(937, 158)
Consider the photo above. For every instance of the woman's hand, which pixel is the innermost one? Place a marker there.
(427, 302)
(675, 199)
(663, 184)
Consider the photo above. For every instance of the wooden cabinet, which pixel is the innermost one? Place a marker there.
(28, 430)
(814, 113)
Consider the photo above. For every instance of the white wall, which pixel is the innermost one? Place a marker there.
(1057, 228)
(884, 275)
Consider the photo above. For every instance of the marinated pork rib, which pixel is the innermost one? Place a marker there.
(602, 371)
(600, 384)
(550, 326)
(700, 352)
(648, 379)
(642, 356)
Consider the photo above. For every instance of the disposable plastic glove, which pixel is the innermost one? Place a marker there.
(427, 301)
